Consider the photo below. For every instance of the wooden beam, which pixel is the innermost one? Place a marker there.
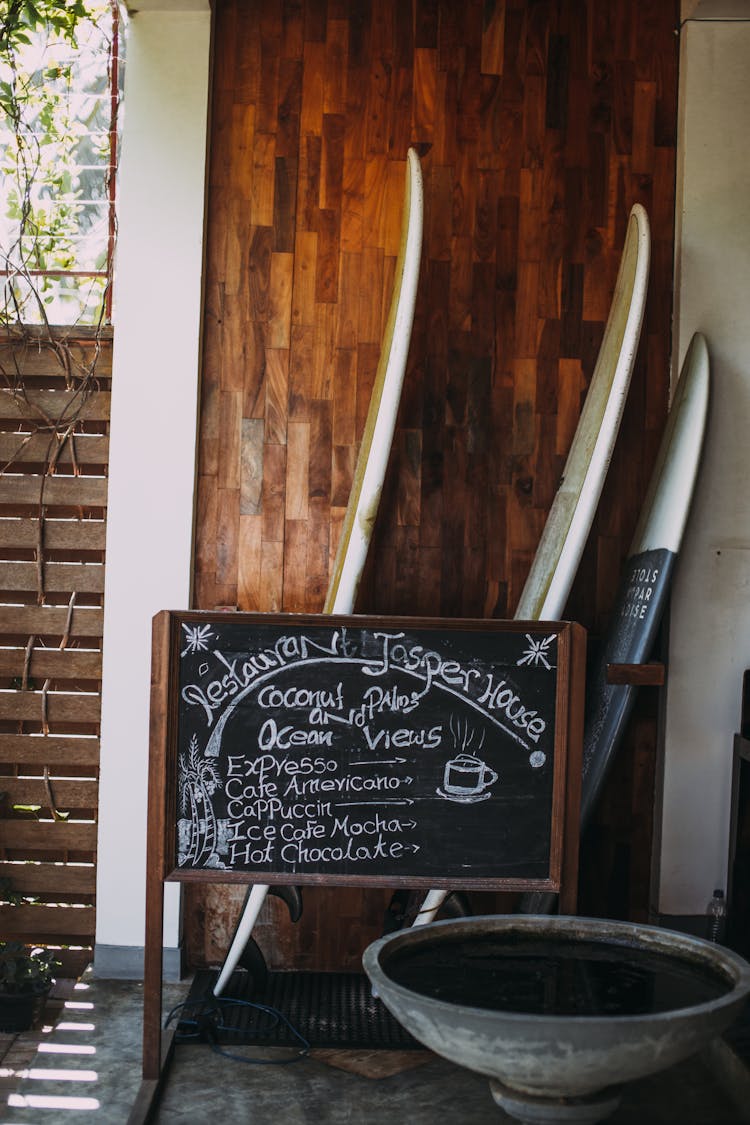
(61, 407)
(638, 675)
(57, 534)
(50, 620)
(61, 707)
(57, 664)
(46, 921)
(83, 578)
(49, 750)
(81, 793)
(80, 491)
(36, 448)
(47, 836)
(48, 878)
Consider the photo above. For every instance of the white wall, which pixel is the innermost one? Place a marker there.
(157, 317)
(710, 619)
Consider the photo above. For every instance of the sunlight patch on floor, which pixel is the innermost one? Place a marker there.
(44, 1101)
(65, 1049)
(54, 1075)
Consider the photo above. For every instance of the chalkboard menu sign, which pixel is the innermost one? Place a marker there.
(365, 750)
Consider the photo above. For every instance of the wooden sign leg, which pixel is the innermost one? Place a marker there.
(156, 1052)
(152, 977)
(568, 903)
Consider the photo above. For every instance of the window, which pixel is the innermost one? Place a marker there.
(59, 100)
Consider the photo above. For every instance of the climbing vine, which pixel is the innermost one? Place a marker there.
(20, 18)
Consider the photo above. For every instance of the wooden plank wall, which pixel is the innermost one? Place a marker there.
(54, 423)
(538, 124)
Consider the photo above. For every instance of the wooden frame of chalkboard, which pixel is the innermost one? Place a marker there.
(410, 752)
(390, 751)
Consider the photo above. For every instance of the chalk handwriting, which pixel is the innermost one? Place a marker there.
(350, 738)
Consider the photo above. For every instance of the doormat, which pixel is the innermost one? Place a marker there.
(326, 1009)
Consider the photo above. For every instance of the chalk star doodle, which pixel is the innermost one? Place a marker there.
(197, 638)
(537, 652)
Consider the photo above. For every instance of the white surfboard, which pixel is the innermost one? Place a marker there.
(377, 438)
(572, 513)
(648, 572)
(644, 587)
(369, 473)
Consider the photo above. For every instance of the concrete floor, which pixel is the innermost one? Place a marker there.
(88, 1069)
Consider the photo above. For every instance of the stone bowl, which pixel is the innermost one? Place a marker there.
(560, 1056)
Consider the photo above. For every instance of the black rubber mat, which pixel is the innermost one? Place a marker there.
(326, 1009)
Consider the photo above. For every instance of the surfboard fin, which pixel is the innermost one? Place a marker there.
(292, 896)
(252, 960)
(456, 905)
(395, 914)
(404, 907)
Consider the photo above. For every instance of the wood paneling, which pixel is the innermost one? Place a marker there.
(54, 411)
(43, 840)
(51, 621)
(55, 535)
(47, 878)
(45, 662)
(84, 578)
(60, 405)
(538, 126)
(51, 750)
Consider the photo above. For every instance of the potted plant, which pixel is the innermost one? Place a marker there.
(26, 976)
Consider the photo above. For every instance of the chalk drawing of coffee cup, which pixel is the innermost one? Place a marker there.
(467, 778)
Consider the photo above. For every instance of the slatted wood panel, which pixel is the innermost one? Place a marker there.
(538, 125)
(54, 448)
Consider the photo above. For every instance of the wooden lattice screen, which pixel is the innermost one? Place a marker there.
(54, 425)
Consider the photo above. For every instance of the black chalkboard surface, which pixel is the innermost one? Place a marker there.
(367, 750)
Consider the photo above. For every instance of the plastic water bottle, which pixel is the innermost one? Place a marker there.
(716, 917)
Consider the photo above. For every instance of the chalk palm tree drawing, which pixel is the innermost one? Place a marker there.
(199, 780)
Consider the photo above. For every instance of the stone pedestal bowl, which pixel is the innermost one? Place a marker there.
(559, 1067)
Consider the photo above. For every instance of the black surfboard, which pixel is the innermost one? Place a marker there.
(645, 585)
